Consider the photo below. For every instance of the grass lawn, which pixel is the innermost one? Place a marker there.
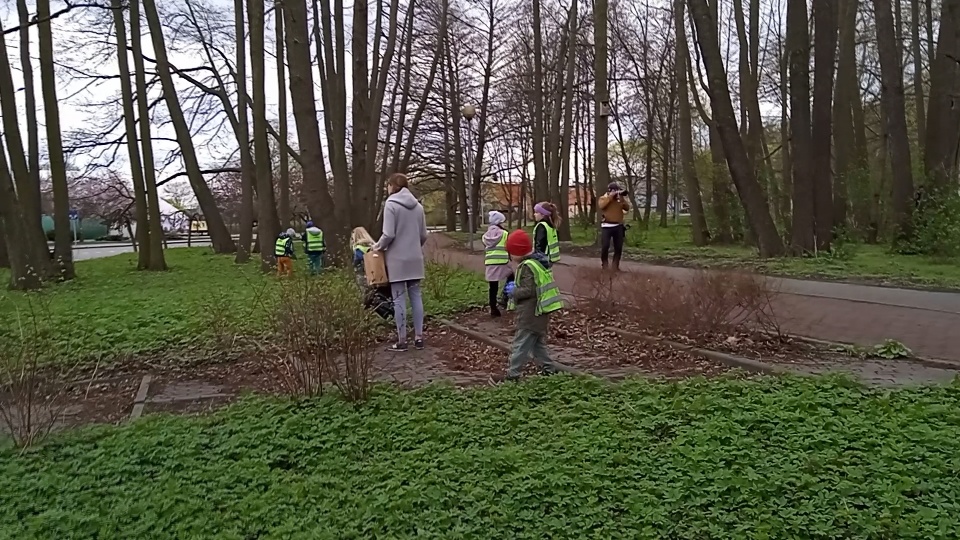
(555, 457)
(869, 263)
(111, 310)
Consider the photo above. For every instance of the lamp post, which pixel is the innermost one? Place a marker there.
(468, 112)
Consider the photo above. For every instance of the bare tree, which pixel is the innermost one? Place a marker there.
(268, 225)
(601, 106)
(825, 47)
(243, 136)
(217, 229)
(28, 252)
(23, 274)
(751, 194)
(915, 51)
(801, 139)
(284, 187)
(892, 101)
(157, 261)
(30, 196)
(319, 200)
(62, 250)
(701, 234)
(133, 150)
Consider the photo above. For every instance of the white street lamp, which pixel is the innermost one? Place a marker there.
(469, 112)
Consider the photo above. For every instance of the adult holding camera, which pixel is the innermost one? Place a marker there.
(614, 204)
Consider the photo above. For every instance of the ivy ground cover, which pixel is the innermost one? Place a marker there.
(555, 457)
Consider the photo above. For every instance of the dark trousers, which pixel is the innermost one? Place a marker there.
(315, 261)
(612, 235)
(494, 290)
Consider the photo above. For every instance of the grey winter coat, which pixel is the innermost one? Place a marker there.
(404, 234)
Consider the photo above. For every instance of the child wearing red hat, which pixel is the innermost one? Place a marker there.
(536, 296)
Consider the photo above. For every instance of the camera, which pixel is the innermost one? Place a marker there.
(621, 193)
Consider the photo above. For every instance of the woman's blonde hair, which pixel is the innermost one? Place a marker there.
(360, 237)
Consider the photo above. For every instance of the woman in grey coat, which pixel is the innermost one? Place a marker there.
(404, 234)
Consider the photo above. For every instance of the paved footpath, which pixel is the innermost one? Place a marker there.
(927, 322)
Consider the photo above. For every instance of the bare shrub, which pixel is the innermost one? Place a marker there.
(322, 333)
(33, 389)
(733, 300)
(438, 277)
(709, 302)
(598, 290)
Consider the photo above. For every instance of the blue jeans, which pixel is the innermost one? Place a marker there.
(525, 345)
(315, 261)
(400, 291)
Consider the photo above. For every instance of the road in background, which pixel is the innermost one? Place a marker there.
(108, 249)
(97, 250)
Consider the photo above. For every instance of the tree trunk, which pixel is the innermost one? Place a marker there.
(157, 261)
(798, 51)
(284, 187)
(4, 256)
(219, 235)
(892, 101)
(648, 172)
(943, 115)
(243, 133)
(28, 229)
(268, 225)
(22, 259)
(751, 194)
(541, 187)
(825, 47)
(698, 220)
(360, 107)
(567, 137)
(29, 193)
(917, 72)
(133, 150)
(663, 193)
(719, 188)
(303, 102)
(875, 211)
(367, 183)
(847, 90)
(456, 127)
(62, 250)
(602, 97)
(449, 190)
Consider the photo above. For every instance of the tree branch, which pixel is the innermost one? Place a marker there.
(36, 20)
(205, 171)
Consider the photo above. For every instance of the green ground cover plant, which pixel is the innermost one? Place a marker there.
(849, 262)
(556, 457)
(111, 311)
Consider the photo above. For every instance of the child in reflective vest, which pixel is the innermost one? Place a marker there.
(496, 260)
(283, 250)
(315, 247)
(545, 239)
(536, 296)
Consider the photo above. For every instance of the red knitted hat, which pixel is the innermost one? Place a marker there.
(519, 243)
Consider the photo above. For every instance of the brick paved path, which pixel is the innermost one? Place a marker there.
(927, 322)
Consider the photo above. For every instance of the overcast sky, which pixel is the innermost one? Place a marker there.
(80, 102)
